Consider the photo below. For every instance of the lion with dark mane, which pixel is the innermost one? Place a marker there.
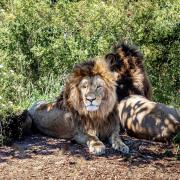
(127, 63)
(86, 111)
(139, 116)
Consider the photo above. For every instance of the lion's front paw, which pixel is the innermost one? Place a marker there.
(120, 146)
(97, 148)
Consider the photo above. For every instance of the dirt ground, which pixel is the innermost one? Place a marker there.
(40, 157)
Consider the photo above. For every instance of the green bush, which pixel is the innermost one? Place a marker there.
(41, 41)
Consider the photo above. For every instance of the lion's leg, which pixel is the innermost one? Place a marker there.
(118, 144)
(95, 145)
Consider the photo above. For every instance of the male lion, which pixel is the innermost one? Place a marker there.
(139, 116)
(127, 63)
(87, 111)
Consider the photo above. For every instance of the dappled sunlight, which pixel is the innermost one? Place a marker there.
(149, 120)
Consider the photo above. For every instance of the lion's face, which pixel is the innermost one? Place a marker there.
(92, 91)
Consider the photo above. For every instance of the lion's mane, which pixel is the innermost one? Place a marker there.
(71, 100)
(132, 78)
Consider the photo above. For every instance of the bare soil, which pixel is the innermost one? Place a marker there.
(41, 157)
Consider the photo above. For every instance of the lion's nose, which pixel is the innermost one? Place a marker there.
(90, 98)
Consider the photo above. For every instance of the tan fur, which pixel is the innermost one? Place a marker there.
(87, 114)
(146, 119)
(50, 120)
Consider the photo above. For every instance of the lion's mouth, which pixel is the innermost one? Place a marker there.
(92, 107)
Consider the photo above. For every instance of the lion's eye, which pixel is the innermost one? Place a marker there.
(99, 86)
(84, 86)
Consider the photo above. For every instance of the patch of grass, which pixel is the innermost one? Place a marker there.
(176, 138)
(168, 153)
(176, 141)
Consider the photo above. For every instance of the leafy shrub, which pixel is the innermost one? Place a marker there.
(40, 41)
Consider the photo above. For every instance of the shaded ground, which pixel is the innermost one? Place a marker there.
(40, 157)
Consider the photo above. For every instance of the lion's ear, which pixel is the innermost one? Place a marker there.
(110, 58)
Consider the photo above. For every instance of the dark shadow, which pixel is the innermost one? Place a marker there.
(141, 151)
(38, 144)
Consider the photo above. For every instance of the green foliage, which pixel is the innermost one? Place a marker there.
(176, 141)
(41, 41)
